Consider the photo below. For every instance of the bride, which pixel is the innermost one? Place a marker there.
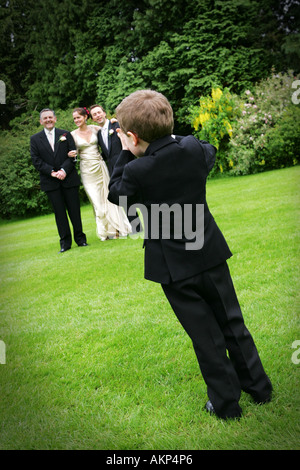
(111, 220)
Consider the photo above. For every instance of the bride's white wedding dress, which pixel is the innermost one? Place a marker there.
(95, 178)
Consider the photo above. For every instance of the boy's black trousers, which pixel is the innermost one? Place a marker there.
(208, 309)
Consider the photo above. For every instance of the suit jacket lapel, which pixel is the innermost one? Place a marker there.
(109, 137)
(58, 134)
(56, 142)
(102, 145)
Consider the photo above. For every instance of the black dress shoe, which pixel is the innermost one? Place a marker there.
(262, 400)
(83, 244)
(62, 250)
(210, 408)
(259, 398)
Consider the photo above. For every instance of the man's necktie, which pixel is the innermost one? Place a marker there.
(50, 138)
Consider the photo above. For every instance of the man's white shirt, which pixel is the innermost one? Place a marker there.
(104, 133)
(51, 137)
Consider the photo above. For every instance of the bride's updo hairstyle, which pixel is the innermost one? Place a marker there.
(82, 111)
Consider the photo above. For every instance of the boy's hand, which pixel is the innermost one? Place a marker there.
(122, 137)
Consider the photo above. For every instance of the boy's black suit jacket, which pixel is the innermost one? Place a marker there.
(171, 171)
(45, 160)
(111, 154)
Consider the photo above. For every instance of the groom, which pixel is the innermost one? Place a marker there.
(58, 176)
(111, 148)
(107, 136)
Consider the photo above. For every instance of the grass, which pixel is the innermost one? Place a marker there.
(95, 358)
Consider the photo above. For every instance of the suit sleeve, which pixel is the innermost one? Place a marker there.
(38, 162)
(122, 181)
(208, 150)
(69, 164)
(210, 154)
(116, 141)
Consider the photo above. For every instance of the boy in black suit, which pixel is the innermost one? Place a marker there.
(58, 176)
(193, 272)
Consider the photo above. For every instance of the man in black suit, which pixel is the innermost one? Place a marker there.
(189, 259)
(58, 176)
(111, 148)
(108, 139)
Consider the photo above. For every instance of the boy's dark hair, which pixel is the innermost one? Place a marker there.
(146, 113)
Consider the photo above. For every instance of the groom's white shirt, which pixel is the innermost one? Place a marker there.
(104, 133)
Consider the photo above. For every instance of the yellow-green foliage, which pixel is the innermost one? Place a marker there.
(213, 120)
(253, 132)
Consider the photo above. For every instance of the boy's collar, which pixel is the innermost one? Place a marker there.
(159, 143)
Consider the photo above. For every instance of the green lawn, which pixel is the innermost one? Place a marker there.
(96, 359)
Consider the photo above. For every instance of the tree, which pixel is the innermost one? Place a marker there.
(56, 31)
(66, 52)
(15, 28)
(228, 43)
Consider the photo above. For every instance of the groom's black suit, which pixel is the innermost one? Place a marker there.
(110, 154)
(63, 194)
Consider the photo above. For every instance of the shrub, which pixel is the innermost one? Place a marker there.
(282, 144)
(258, 136)
(213, 121)
(19, 181)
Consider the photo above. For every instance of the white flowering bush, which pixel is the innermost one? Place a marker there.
(266, 112)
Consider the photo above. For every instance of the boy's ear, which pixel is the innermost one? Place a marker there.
(133, 137)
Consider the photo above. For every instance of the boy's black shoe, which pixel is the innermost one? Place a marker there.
(210, 408)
